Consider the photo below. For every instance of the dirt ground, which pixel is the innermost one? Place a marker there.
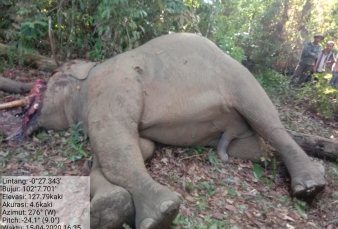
(240, 194)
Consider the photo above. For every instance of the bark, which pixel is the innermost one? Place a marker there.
(12, 86)
(33, 60)
(317, 146)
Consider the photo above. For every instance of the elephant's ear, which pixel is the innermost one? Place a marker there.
(78, 69)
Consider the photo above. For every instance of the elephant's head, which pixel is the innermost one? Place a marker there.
(58, 108)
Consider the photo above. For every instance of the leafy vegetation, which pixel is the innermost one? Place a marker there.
(263, 35)
(186, 222)
(76, 142)
(319, 97)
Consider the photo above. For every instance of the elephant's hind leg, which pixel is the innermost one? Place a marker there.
(247, 148)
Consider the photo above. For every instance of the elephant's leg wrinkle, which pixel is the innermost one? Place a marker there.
(306, 179)
(111, 206)
(122, 164)
(222, 146)
(106, 212)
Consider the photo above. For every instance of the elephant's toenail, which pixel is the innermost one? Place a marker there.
(167, 206)
(310, 184)
(298, 188)
(147, 223)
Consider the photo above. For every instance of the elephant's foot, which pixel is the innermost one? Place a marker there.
(309, 181)
(156, 206)
(111, 205)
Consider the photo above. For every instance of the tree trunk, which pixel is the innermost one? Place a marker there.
(12, 86)
(34, 60)
(316, 146)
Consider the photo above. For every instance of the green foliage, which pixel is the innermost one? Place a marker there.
(213, 158)
(334, 170)
(259, 172)
(76, 142)
(4, 158)
(42, 135)
(319, 96)
(91, 28)
(227, 35)
(274, 83)
(126, 226)
(228, 45)
(192, 223)
(301, 207)
(260, 34)
(232, 192)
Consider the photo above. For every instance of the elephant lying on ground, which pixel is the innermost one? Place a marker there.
(178, 89)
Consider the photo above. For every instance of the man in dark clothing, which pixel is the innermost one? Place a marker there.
(307, 61)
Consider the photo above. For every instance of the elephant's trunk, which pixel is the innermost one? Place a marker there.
(17, 103)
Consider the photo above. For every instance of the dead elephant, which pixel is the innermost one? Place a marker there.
(178, 89)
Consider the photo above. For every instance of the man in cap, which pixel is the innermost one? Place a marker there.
(307, 61)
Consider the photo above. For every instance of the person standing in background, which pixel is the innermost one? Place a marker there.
(307, 61)
(334, 79)
(325, 59)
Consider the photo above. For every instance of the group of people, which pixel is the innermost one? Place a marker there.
(314, 59)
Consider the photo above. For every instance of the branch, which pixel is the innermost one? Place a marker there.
(52, 41)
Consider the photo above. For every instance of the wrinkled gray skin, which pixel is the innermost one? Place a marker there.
(179, 89)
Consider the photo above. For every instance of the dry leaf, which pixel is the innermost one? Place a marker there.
(164, 160)
(288, 218)
(248, 214)
(290, 226)
(217, 215)
(190, 199)
(230, 207)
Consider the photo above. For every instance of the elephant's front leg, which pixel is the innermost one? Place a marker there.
(112, 205)
(119, 154)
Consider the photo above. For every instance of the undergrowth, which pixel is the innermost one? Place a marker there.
(316, 96)
(319, 96)
(76, 142)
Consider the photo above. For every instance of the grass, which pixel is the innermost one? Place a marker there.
(316, 96)
(197, 223)
(76, 141)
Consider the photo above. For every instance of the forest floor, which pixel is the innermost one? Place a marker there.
(240, 194)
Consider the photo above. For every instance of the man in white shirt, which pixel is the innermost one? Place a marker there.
(325, 59)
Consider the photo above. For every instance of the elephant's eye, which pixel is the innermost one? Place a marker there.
(53, 73)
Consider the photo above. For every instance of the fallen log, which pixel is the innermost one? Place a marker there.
(33, 60)
(316, 146)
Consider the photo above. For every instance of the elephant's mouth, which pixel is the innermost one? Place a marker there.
(30, 105)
